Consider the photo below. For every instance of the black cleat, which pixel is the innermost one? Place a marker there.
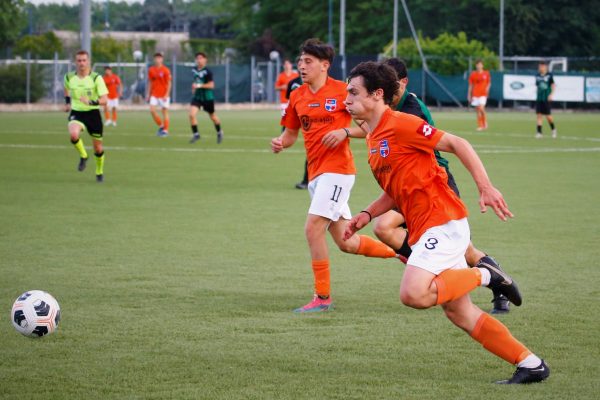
(195, 138)
(500, 281)
(100, 178)
(528, 375)
(82, 163)
(500, 304)
(301, 185)
(219, 137)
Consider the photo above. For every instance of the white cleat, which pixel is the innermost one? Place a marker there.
(108, 122)
(554, 134)
(539, 136)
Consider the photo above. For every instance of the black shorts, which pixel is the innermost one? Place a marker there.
(90, 120)
(543, 107)
(208, 105)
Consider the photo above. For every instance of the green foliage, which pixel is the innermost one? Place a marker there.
(13, 84)
(446, 54)
(41, 46)
(109, 50)
(214, 48)
(148, 47)
(12, 20)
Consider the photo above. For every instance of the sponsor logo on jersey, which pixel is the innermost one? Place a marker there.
(313, 105)
(373, 151)
(426, 130)
(330, 104)
(307, 121)
(384, 148)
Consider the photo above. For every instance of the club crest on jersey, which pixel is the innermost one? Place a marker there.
(384, 148)
(426, 130)
(330, 104)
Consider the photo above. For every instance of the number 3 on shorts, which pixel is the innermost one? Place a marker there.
(430, 243)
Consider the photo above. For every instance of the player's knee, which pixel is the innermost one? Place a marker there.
(415, 298)
(381, 231)
(346, 246)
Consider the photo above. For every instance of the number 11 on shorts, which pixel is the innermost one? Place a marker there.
(337, 190)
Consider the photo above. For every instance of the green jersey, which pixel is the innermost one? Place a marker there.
(92, 86)
(202, 76)
(411, 104)
(544, 86)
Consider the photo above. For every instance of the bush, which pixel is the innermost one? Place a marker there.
(41, 46)
(13, 84)
(110, 50)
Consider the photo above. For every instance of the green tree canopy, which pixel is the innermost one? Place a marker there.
(40, 46)
(12, 21)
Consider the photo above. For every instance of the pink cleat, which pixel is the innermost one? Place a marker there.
(316, 305)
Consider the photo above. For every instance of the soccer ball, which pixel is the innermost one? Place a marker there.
(35, 313)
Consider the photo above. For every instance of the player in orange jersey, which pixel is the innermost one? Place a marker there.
(281, 84)
(115, 91)
(479, 89)
(401, 156)
(317, 107)
(158, 93)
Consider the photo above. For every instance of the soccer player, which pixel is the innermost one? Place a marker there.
(203, 89)
(293, 85)
(317, 108)
(115, 91)
(85, 92)
(389, 227)
(281, 84)
(479, 89)
(400, 154)
(544, 81)
(158, 93)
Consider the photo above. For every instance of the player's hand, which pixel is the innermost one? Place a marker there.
(334, 138)
(276, 145)
(550, 98)
(491, 197)
(84, 100)
(357, 222)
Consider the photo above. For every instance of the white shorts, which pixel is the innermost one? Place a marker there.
(282, 107)
(329, 195)
(478, 101)
(112, 103)
(442, 247)
(163, 103)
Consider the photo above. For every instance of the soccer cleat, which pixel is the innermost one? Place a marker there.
(159, 132)
(539, 136)
(163, 133)
(108, 122)
(100, 178)
(500, 304)
(554, 133)
(82, 163)
(500, 281)
(114, 123)
(195, 138)
(301, 185)
(316, 305)
(219, 137)
(528, 375)
(479, 129)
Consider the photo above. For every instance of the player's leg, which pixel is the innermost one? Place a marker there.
(475, 258)
(114, 111)
(538, 134)
(209, 107)
(95, 129)
(551, 123)
(304, 183)
(497, 339)
(155, 116)
(387, 228)
(192, 115)
(358, 244)
(107, 114)
(75, 127)
(484, 123)
(165, 113)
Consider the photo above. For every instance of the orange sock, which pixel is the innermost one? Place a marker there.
(497, 339)
(157, 119)
(484, 120)
(455, 283)
(114, 114)
(106, 114)
(370, 247)
(322, 279)
(479, 120)
(166, 124)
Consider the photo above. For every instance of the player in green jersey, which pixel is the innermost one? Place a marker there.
(544, 81)
(203, 97)
(85, 91)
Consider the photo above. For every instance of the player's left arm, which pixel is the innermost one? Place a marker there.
(169, 84)
(381, 205)
(287, 138)
(488, 194)
(489, 85)
(334, 138)
(552, 88)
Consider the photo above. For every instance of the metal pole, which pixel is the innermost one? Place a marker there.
(270, 84)
(252, 78)
(28, 79)
(343, 36)
(395, 41)
(174, 85)
(86, 24)
(501, 38)
(330, 24)
(106, 15)
(55, 81)
(227, 77)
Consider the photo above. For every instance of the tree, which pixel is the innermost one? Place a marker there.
(40, 46)
(12, 21)
(109, 50)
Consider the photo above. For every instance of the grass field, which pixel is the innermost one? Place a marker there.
(177, 276)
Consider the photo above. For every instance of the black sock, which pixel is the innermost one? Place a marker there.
(218, 127)
(194, 129)
(539, 129)
(305, 179)
(552, 125)
(405, 249)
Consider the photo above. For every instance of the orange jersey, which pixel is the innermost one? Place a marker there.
(480, 82)
(160, 78)
(402, 160)
(318, 114)
(283, 80)
(112, 82)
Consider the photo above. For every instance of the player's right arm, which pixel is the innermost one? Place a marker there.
(334, 138)
(287, 138)
(470, 90)
(67, 94)
(380, 206)
(148, 88)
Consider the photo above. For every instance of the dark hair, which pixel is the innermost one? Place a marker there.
(543, 62)
(82, 52)
(158, 54)
(377, 76)
(200, 53)
(108, 67)
(316, 48)
(398, 65)
(479, 60)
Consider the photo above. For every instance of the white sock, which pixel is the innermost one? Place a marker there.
(485, 276)
(531, 361)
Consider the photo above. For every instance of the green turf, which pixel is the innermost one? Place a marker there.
(176, 277)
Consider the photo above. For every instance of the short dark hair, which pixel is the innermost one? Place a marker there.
(377, 76)
(82, 53)
(479, 60)
(543, 62)
(316, 48)
(398, 65)
(158, 54)
(200, 53)
(108, 67)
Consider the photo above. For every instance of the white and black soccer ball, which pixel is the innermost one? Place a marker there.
(35, 313)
